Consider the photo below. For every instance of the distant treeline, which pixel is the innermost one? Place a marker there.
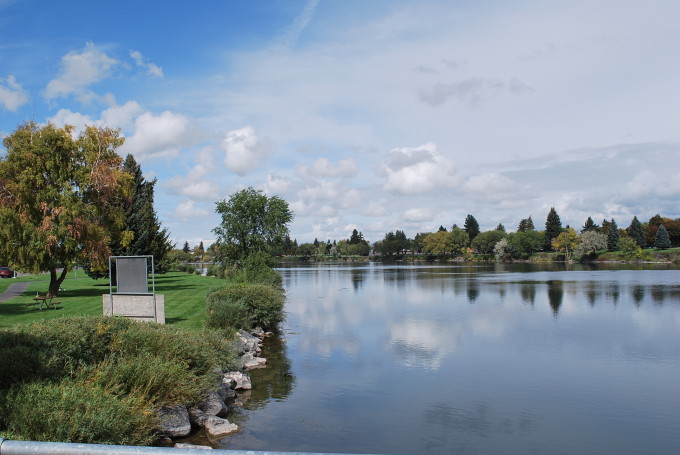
(526, 241)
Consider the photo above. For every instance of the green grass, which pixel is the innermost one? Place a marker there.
(82, 296)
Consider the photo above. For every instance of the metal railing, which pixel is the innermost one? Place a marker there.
(11, 447)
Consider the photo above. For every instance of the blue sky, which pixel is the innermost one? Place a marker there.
(374, 115)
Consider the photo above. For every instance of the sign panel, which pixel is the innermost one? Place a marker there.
(132, 275)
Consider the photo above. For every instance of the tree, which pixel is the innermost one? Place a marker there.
(459, 240)
(589, 225)
(144, 235)
(566, 241)
(186, 248)
(553, 227)
(60, 198)
(613, 236)
(356, 238)
(662, 240)
(502, 249)
(485, 241)
(526, 224)
(590, 242)
(500, 227)
(251, 222)
(437, 243)
(471, 226)
(524, 244)
(636, 233)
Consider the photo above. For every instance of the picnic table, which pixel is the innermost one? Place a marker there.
(40, 300)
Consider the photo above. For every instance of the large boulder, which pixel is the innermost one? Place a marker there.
(217, 427)
(174, 421)
(213, 404)
(242, 380)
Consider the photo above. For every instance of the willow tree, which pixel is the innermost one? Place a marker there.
(60, 198)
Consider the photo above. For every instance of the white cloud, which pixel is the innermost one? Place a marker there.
(291, 34)
(244, 150)
(322, 167)
(276, 185)
(79, 70)
(76, 119)
(420, 214)
(471, 91)
(158, 136)
(491, 187)
(12, 94)
(187, 211)
(196, 184)
(417, 170)
(152, 69)
(121, 116)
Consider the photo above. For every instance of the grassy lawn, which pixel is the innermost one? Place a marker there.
(184, 298)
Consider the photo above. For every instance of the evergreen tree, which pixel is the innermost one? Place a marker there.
(186, 248)
(471, 226)
(356, 238)
(553, 228)
(662, 240)
(441, 228)
(140, 219)
(500, 227)
(613, 236)
(589, 226)
(526, 224)
(635, 231)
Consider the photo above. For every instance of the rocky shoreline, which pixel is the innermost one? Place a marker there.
(180, 421)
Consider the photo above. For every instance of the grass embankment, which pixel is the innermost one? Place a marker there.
(72, 375)
(82, 296)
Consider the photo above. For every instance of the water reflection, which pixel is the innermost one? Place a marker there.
(555, 294)
(396, 359)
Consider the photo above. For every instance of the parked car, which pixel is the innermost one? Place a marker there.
(6, 272)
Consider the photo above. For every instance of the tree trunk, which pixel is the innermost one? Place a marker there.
(55, 281)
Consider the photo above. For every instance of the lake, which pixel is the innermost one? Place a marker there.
(471, 359)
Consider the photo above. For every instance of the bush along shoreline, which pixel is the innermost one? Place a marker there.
(111, 380)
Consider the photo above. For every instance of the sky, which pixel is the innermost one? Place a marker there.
(369, 115)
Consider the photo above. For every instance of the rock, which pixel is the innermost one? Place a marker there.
(217, 427)
(255, 362)
(229, 382)
(174, 421)
(197, 417)
(247, 343)
(242, 380)
(258, 332)
(213, 404)
(182, 445)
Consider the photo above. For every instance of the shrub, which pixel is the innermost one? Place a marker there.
(72, 412)
(241, 305)
(153, 380)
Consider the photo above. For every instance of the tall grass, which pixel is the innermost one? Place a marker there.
(101, 379)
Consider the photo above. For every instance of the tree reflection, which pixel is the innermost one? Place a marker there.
(357, 276)
(472, 291)
(555, 295)
(638, 293)
(528, 293)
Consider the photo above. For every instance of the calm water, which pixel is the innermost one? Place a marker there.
(488, 359)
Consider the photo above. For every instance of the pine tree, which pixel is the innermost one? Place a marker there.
(553, 228)
(662, 240)
(500, 227)
(589, 225)
(635, 231)
(471, 226)
(142, 222)
(525, 225)
(613, 236)
(186, 248)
